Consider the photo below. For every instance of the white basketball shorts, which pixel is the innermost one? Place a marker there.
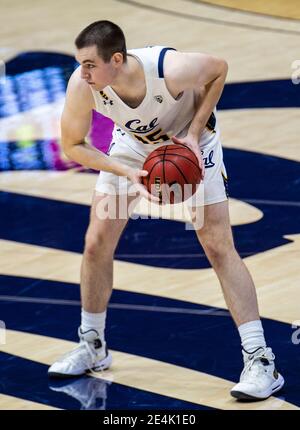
(126, 151)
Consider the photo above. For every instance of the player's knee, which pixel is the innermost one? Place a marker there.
(218, 251)
(97, 243)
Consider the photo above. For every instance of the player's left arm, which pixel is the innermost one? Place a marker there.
(195, 71)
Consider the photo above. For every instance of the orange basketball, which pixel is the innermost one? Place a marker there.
(173, 173)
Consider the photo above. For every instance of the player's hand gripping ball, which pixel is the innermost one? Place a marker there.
(173, 173)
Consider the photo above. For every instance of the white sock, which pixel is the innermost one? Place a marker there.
(93, 321)
(252, 335)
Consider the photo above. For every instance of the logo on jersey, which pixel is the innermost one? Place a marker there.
(208, 161)
(133, 125)
(119, 130)
(159, 99)
(106, 99)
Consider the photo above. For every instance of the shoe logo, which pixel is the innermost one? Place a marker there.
(159, 99)
(275, 374)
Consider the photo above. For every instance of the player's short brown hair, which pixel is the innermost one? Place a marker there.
(107, 36)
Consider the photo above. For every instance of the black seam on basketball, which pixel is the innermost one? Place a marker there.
(183, 156)
(149, 173)
(179, 170)
(171, 149)
(162, 149)
(171, 145)
(154, 156)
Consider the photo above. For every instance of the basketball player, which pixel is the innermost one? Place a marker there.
(154, 95)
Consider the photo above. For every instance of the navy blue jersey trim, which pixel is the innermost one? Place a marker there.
(161, 61)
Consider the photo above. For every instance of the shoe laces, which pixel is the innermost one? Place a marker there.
(263, 353)
(79, 352)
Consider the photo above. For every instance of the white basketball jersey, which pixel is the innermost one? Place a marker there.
(159, 116)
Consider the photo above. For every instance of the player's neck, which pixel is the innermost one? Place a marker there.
(131, 76)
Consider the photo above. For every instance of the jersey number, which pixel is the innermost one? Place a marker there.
(152, 138)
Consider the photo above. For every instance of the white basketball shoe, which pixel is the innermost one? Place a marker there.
(259, 378)
(90, 355)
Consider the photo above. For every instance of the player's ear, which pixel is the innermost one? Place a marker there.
(117, 59)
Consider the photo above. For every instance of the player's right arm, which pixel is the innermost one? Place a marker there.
(75, 125)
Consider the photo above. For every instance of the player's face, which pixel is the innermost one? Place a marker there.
(94, 70)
